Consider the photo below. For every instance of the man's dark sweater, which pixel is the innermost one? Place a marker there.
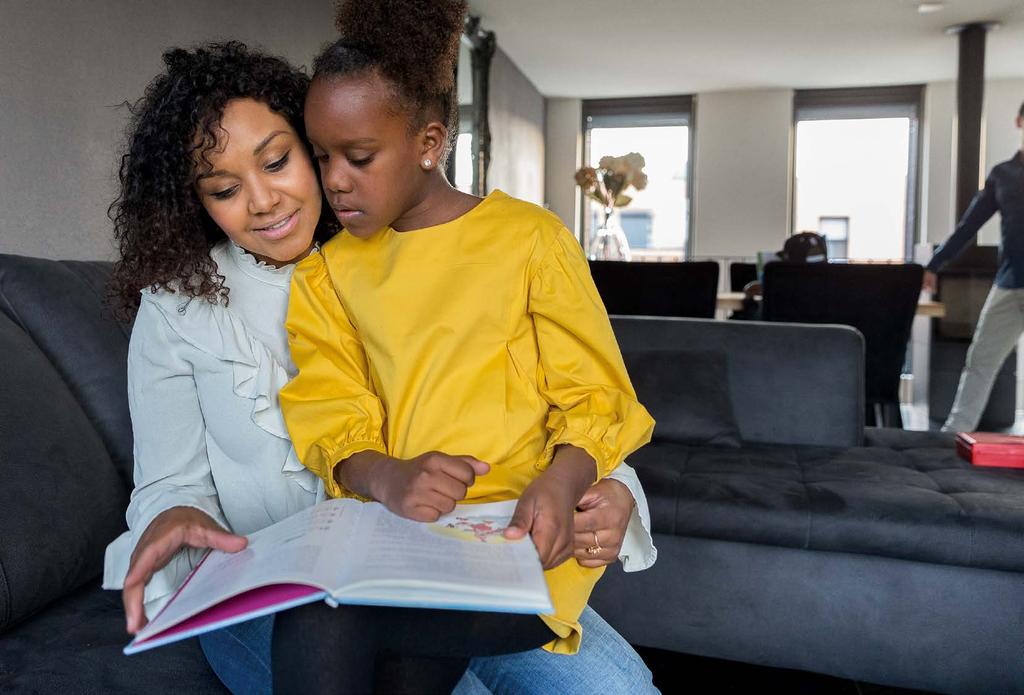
(1003, 192)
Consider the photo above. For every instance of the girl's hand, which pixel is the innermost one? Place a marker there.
(169, 532)
(604, 510)
(545, 509)
(930, 282)
(425, 487)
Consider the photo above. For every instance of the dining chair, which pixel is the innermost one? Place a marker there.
(879, 300)
(688, 289)
(740, 275)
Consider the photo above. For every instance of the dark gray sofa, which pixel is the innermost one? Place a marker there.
(889, 562)
(65, 477)
(880, 557)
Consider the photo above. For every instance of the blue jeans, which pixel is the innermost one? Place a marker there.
(240, 656)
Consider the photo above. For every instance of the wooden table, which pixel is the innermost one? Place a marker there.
(733, 301)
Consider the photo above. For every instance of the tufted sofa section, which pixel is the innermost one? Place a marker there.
(923, 504)
(880, 557)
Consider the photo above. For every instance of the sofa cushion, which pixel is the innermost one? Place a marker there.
(687, 393)
(61, 305)
(61, 500)
(75, 647)
(912, 499)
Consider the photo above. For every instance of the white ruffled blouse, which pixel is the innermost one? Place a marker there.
(203, 381)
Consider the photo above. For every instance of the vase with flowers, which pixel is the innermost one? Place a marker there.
(607, 185)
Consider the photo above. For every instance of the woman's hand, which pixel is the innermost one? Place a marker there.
(603, 513)
(168, 533)
(545, 509)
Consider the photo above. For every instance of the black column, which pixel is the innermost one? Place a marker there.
(482, 47)
(970, 93)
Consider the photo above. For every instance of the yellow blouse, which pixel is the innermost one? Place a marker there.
(483, 336)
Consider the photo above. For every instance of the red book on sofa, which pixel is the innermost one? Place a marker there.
(991, 449)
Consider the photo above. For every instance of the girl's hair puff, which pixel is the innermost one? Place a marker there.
(163, 233)
(412, 44)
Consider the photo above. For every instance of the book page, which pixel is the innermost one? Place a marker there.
(305, 548)
(462, 553)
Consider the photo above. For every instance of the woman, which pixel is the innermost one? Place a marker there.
(218, 201)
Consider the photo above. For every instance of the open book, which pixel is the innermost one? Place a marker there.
(346, 551)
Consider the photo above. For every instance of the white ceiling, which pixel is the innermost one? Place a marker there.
(609, 48)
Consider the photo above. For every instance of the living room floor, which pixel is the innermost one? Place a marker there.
(684, 673)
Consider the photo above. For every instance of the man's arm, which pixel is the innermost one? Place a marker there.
(981, 209)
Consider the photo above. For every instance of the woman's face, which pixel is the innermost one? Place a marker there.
(259, 186)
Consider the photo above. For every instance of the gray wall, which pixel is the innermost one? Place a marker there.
(64, 69)
(516, 115)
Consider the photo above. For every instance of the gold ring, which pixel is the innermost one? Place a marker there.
(593, 550)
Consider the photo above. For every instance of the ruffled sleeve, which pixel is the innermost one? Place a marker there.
(257, 376)
(330, 408)
(593, 404)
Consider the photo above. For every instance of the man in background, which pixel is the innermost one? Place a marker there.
(1002, 318)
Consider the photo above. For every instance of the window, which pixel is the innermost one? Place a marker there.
(856, 170)
(836, 231)
(657, 221)
(463, 153)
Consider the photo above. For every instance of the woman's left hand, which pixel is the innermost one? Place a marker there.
(600, 523)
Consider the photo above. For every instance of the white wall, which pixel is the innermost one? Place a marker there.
(65, 67)
(563, 155)
(1000, 139)
(938, 161)
(741, 190)
(741, 164)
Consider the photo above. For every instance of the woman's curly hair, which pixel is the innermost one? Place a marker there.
(413, 44)
(164, 235)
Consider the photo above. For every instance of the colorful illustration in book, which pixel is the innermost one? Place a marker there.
(483, 529)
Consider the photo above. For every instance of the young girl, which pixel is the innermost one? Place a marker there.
(448, 347)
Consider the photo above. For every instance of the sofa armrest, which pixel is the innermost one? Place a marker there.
(789, 383)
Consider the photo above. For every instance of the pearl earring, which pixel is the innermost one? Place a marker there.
(427, 163)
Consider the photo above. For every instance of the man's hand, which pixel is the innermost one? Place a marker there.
(930, 282)
(425, 487)
(545, 509)
(169, 532)
(602, 515)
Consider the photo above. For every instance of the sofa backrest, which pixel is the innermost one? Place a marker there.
(788, 383)
(61, 498)
(65, 432)
(61, 306)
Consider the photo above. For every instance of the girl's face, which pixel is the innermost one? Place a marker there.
(371, 165)
(259, 186)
